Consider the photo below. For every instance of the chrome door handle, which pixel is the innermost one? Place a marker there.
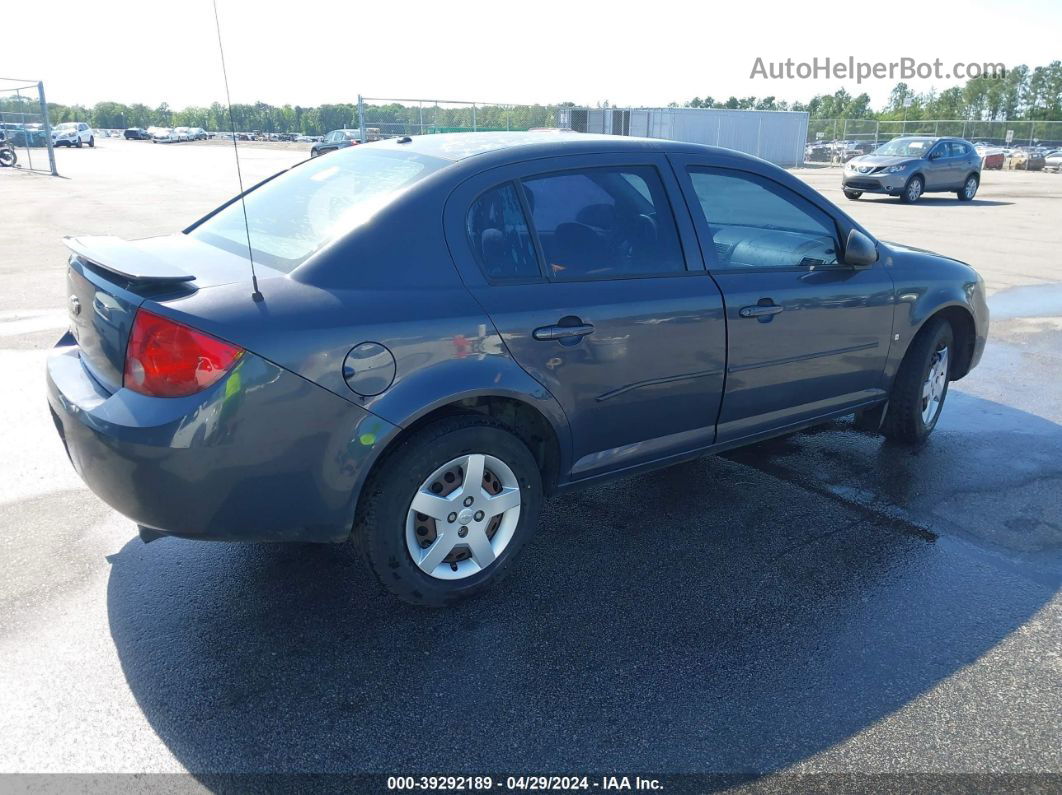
(562, 332)
(760, 310)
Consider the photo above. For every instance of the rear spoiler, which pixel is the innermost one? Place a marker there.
(125, 258)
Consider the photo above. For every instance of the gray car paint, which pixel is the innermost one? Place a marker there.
(296, 434)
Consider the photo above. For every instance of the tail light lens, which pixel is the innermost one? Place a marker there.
(168, 359)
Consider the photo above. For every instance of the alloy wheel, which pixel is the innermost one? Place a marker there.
(934, 386)
(463, 516)
(970, 188)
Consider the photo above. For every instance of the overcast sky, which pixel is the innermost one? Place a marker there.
(629, 53)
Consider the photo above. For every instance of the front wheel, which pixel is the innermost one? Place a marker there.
(912, 191)
(448, 511)
(852, 195)
(78, 144)
(92, 142)
(918, 393)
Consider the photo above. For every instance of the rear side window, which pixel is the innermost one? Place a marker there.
(295, 214)
(757, 223)
(498, 234)
(604, 223)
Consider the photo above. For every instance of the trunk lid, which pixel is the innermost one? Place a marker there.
(109, 278)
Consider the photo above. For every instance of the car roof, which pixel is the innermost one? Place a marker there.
(503, 146)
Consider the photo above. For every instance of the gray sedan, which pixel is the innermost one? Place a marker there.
(441, 330)
(909, 167)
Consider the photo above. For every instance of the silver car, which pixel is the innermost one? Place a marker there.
(908, 167)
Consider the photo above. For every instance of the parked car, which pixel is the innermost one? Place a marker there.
(197, 134)
(909, 167)
(164, 135)
(24, 135)
(72, 133)
(1053, 161)
(337, 139)
(1032, 158)
(571, 308)
(137, 134)
(992, 157)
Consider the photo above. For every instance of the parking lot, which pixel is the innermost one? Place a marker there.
(822, 602)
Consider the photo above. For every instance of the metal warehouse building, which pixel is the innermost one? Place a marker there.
(777, 136)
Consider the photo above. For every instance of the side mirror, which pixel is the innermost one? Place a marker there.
(860, 251)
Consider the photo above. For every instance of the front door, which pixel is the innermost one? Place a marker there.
(808, 335)
(582, 265)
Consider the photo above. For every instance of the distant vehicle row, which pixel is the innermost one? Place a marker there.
(1030, 157)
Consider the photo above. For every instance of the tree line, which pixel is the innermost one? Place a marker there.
(1023, 94)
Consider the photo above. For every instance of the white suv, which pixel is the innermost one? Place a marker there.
(72, 133)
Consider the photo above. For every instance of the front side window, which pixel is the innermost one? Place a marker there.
(297, 213)
(604, 223)
(757, 223)
(498, 234)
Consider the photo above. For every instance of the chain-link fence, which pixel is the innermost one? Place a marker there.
(775, 136)
(834, 141)
(24, 124)
(391, 118)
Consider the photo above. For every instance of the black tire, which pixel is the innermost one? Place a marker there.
(78, 144)
(910, 196)
(92, 142)
(964, 193)
(903, 419)
(380, 527)
(853, 195)
(8, 157)
(313, 153)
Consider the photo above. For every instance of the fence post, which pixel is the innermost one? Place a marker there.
(473, 117)
(361, 118)
(47, 128)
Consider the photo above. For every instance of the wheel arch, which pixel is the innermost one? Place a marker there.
(964, 329)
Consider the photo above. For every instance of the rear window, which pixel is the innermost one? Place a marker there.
(297, 213)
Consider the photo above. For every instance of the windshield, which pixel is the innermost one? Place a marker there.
(66, 125)
(905, 147)
(297, 213)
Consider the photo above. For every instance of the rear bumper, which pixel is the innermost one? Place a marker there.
(263, 455)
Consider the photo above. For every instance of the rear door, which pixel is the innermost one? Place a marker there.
(596, 285)
(807, 335)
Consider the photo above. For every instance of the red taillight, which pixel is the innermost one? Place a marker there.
(168, 359)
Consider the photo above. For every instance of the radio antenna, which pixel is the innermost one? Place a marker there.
(255, 292)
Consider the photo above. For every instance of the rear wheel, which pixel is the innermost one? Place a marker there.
(921, 385)
(7, 157)
(449, 510)
(853, 194)
(912, 191)
(969, 188)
